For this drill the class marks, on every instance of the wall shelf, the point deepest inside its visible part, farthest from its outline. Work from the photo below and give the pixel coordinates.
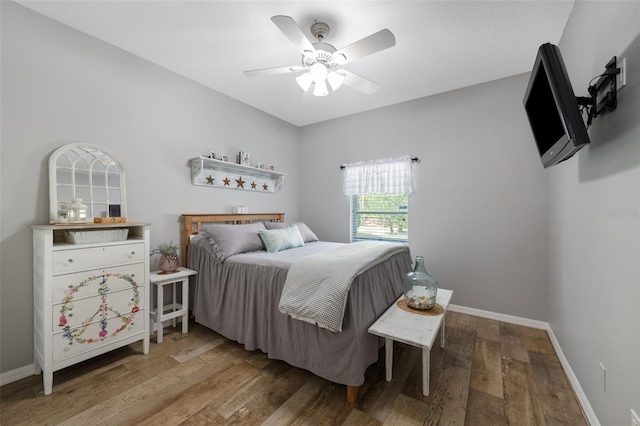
(222, 174)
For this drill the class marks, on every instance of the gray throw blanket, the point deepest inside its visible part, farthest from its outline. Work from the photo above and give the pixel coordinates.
(317, 286)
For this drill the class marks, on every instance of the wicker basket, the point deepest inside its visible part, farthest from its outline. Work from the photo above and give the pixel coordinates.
(96, 236)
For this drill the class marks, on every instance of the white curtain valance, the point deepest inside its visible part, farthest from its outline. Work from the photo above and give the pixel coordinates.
(384, 176)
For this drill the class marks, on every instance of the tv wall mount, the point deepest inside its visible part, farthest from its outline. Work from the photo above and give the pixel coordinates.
(603, 93)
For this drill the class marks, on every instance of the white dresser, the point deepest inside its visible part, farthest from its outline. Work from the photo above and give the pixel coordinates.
(89, 298)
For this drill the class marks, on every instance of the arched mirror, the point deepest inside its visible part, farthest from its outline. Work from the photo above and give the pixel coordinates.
(90, 173)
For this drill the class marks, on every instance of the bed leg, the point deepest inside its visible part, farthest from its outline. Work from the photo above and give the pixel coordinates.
(352, 394)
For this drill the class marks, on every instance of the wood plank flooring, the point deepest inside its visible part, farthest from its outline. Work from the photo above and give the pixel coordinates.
(489, 373)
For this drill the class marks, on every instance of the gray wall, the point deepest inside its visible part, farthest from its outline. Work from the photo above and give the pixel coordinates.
(594, 232)
(61, 86)
(479, 216)
(492, 224)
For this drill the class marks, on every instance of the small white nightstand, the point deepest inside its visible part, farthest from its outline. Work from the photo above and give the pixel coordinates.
(413, 329)
(160, 279)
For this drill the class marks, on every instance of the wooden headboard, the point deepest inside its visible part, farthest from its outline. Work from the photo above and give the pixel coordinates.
(191, 224)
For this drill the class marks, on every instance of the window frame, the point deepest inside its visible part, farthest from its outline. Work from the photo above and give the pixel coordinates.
(353, 230)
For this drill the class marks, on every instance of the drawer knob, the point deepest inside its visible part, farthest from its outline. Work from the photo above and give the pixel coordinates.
(68, 262)
(133, 253)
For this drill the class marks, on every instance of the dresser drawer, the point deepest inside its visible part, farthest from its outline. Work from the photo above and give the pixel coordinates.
(81, 285)
(72, 260)
(75, 313)
(90, 339)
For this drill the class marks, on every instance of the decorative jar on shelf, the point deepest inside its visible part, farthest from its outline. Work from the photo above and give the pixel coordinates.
(63, 213)
(420, 288)
(76, 211)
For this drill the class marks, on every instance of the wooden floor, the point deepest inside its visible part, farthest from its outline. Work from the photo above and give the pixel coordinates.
(490, 373)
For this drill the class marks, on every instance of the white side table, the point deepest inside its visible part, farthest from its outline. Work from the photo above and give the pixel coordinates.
(412, 329)
(160, 279)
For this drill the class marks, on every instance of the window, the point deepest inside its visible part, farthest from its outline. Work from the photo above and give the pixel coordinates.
(382, 217)
(379, 192)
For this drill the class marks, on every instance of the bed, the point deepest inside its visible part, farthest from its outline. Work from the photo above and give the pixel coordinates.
(238, 297)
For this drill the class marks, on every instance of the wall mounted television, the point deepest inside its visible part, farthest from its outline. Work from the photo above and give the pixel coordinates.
(553, 110)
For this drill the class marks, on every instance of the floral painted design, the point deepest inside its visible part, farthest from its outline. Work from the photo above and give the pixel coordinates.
(119, 323)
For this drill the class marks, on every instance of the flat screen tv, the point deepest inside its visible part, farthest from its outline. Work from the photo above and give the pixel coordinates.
(552, 108)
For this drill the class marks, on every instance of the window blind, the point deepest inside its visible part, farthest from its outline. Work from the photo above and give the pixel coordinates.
(383, 217)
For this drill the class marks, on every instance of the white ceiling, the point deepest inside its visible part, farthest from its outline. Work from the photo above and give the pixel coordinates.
(440, 45)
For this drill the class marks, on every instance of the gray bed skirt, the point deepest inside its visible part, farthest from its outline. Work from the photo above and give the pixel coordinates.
(240, 301)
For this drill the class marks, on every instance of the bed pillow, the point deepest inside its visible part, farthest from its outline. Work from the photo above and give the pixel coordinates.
(228, 240)
(276, 225)
(281, 239)
(307, 234)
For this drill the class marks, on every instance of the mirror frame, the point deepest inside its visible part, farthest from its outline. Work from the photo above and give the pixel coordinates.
(100, 162)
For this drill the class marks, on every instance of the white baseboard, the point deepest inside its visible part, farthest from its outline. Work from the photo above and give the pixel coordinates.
(542, 325)
(17, 374)
(577, 389)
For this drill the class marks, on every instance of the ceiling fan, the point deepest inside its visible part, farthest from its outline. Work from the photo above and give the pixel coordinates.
(321, 61)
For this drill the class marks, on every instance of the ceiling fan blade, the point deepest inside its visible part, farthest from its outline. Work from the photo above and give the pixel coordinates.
(274, 71)
(381, 40)
(359, 83)
(293, 32)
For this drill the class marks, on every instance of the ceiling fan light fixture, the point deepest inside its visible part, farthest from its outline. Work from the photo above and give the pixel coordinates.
(320, 59)
(318, 72)
(335, 79)
(338, 59)
(310, 55)
(320, 89)
(304, 81)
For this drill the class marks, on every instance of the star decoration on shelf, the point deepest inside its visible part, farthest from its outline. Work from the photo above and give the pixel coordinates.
(265, 187)
(253, 185)
(240, 183)
(226, 181)
(210, 180)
